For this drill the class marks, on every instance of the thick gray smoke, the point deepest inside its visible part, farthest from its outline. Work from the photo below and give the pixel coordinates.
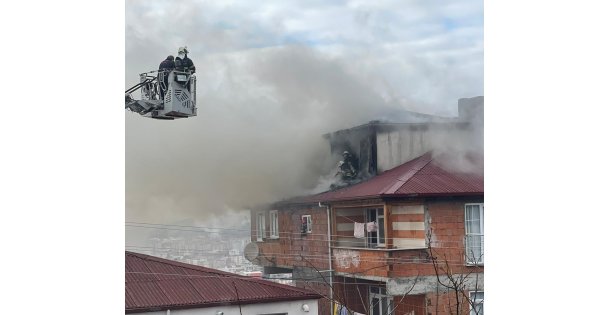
(258, 136)
(263, 107)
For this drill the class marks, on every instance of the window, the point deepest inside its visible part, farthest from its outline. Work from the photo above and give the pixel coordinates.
(379, 302)
(274, 224)
(261, 227)
(306, 224)
(375, 238)
(473, 218)
(477, 302)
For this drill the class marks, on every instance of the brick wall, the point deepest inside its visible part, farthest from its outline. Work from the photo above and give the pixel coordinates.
(410, 305)
(363, 261)
(446, 221)
(445, 218)
(445, 304)
(294, 248)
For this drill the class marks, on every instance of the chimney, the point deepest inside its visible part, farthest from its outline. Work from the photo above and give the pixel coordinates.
(471, 109)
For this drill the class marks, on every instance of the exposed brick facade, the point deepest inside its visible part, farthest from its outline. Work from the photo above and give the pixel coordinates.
(294, 248)
(410, 304)
(445, 304)
(444, 218)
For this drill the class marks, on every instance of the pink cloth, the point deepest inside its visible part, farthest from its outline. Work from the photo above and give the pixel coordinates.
(359, 230)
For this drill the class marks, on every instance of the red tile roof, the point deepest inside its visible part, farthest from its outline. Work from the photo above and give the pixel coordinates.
(153, 283)
(422, 176)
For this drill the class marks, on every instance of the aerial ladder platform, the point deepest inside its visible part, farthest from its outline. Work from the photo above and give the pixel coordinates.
(164, 95)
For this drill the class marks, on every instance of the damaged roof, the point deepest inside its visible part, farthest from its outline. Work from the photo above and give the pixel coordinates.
(423, 176)
(154, 284)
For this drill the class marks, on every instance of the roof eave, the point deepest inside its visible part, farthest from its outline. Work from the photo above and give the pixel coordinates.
(223, 303)
(381, 196)
(455, 194)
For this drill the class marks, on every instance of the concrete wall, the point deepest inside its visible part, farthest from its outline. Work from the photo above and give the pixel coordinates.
(426, 284)
(398, 145)
(471, 109)
(378, 146)
(288, 307)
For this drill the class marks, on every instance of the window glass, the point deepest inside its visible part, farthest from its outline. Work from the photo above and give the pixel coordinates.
(260, 226)
(380, 303)
(306, 224)
(375, 238)
(274, 224)
(474, 233)
(477, 300)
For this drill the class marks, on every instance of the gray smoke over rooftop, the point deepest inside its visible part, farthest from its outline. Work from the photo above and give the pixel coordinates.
(262, 107)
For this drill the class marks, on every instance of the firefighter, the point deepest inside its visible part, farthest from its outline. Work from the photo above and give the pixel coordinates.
(163, 74)
(182, 62)
(346, 168)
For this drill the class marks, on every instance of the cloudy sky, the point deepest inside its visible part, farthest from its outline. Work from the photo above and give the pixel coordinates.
(272, 78)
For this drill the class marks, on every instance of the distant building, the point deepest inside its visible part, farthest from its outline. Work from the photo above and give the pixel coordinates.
(159, 286)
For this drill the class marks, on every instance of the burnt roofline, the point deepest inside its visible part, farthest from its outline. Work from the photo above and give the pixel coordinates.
(385, 125)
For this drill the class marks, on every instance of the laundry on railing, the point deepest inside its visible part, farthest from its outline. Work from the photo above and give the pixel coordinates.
(340, 310)
(372, 226)
(359, 230)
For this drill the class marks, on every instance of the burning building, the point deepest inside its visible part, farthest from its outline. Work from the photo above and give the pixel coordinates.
(405, 237)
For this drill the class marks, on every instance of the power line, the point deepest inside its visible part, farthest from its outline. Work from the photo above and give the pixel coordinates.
(254, 233)
(323, 258)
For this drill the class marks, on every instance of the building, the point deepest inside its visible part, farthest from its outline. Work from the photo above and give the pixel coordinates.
(159, 286)
(379, 145)
(406, 241)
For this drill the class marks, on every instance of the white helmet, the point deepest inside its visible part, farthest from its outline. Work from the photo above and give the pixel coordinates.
(182, 50)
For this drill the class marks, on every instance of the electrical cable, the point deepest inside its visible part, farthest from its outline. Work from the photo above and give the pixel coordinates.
(254, 232)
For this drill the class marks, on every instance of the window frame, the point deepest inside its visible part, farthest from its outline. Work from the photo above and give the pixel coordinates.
(274, 224)
(480, 260)
(475, 302)
(380, 240)
(380, 294)
(260, 228)
(308, 223)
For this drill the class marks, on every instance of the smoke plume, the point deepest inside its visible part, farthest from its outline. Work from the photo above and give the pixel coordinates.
(263, 106)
